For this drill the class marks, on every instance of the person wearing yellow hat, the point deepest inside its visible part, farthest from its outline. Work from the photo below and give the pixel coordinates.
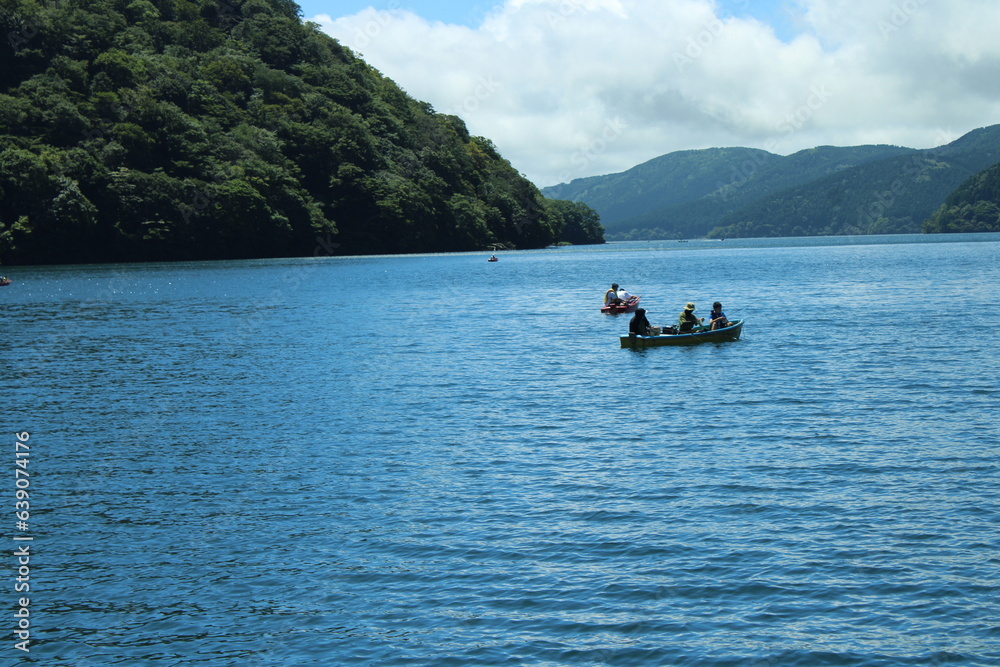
(686, 321)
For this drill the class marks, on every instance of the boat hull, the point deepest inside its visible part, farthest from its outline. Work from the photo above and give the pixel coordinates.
(732, 332)
(629, 307)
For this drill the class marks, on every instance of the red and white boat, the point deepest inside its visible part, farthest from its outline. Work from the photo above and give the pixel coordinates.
(627, 307)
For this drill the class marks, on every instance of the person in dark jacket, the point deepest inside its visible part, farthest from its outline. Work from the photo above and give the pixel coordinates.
(639, 325)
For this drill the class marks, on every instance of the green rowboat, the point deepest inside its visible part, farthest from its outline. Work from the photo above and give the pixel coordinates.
(732, 332)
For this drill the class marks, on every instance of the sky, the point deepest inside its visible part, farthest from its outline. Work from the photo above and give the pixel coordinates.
(573, 88)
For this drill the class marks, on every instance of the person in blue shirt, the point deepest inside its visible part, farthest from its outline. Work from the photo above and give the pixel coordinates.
(717, 318)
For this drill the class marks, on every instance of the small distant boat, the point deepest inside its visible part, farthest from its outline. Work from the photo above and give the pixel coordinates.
(4, 282)
(627, 307)
(493, 258)
(732, 332)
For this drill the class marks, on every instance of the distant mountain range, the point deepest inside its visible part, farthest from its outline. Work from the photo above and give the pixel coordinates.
(745, 192)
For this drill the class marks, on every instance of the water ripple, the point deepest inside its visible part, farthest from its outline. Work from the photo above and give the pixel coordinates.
(226, 482)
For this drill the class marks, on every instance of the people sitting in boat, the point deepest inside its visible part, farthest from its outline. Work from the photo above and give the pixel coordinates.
(493, 258)
(687, 322)
(611, 296)
(639, 325)
(717, 318)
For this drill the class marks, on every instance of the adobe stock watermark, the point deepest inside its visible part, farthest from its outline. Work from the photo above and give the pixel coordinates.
(22, 512)
(591, 149)
(103, 128)
(700, 43)
(567, 8)
(204, 197)
(257, 321)
(912, 172)
(367, 33)
(226, 14)
(30, 27)
(792, 122)
(529, 217)
(742, 172)
(901, 14)
(796, 120)
(485, 88)
(52, 347)
(23, 34)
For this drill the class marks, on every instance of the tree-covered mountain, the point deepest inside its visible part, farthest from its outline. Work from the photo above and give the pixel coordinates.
(196, 129)
(686, 193)
(973, 207)
(660, 184)
(821, 191)
(889, 196)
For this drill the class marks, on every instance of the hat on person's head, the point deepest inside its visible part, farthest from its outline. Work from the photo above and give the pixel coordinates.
(689, 306)
(640, 311)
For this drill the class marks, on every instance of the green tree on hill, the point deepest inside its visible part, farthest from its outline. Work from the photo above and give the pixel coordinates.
(197, 129)
(973, 207)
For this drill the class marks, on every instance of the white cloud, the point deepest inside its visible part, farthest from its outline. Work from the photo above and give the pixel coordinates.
(571, 88)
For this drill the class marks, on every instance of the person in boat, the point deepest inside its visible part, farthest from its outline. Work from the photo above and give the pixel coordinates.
(717, 319)
(687, 322)
(639, 325)
(623, 296)
(611, 296)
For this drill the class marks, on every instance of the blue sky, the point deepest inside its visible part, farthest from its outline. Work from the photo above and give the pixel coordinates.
(448, 11)
(575, 88)
(470, 13)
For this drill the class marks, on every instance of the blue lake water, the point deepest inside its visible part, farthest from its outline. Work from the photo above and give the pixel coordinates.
(435, 460)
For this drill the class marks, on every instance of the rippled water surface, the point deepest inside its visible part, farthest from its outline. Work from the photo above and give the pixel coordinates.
(435, 460)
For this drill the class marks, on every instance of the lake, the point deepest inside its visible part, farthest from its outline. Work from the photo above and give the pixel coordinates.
(436, 460)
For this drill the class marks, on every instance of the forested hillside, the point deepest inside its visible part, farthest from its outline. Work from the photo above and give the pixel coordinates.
(973, 207)
(890, 196)
(195, 129)
(687, 193)
(659, 184)
(821, 191)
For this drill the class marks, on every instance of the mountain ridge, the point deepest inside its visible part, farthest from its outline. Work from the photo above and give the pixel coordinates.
(818, 191)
